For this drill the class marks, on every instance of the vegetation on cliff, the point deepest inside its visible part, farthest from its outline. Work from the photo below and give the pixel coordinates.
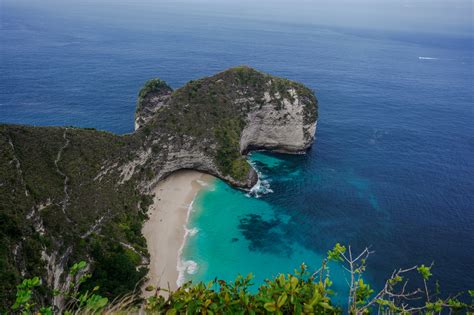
(151, 88)
(51, 203)
(228, 158)
(212, 112)
(69, 194)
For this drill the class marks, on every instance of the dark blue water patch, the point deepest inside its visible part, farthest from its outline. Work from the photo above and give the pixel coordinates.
(330, 205)
(265, 235)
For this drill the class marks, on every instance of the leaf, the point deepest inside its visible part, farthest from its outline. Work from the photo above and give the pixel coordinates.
(81, 265)
(77, 267)
(336, 252)
(294, 282)
(270, 306)
(35, 282)
(249, 277)
(395, 280)
(97, 302)
(282, 299)
(424, 271)
(171, 312)
(327, 282)
(281, 279)
(245, 299)
(308, 308)
(326, 306)
(46, 311)
(102, 302)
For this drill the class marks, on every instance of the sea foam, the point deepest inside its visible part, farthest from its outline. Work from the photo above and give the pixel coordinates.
(186, 266)
(191, 232)
(262, 187)
(202, 183)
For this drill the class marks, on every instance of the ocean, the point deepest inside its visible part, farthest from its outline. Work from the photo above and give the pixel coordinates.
(392, 166)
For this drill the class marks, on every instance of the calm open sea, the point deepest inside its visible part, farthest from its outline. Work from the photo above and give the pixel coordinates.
(392, 167)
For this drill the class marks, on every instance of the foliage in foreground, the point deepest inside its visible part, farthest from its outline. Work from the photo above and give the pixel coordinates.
(300, 293)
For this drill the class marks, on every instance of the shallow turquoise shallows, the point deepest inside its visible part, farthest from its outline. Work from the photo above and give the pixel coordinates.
(234, 232)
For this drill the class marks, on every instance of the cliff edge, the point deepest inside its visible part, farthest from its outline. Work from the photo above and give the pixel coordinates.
(212, 123)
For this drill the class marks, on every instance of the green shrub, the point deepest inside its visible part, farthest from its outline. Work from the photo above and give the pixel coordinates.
(302, 292)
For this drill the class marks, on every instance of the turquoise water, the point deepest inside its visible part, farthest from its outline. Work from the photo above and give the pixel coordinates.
(235, 232)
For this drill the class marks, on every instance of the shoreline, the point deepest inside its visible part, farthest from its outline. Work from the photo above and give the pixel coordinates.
(166, 229)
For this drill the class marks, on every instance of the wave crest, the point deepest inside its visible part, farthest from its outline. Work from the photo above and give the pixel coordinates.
(186, 267)
(262, 187)
(191, 232)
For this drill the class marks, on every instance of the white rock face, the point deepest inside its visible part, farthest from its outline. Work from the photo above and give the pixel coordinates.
(173, 158)
(282, 130)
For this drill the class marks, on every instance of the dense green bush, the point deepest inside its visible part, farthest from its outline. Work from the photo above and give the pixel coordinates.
(302, 292)
(115, 272)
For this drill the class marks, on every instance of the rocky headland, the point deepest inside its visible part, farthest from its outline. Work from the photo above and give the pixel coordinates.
(69, 194)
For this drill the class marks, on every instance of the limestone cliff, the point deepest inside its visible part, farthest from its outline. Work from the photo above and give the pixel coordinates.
(209, 124)
(68, 194)
(287, 130)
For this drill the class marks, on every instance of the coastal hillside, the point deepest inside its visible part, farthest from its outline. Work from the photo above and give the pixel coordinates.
(70, 194)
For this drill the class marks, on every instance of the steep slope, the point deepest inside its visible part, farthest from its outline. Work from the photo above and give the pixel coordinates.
(53, 208)
(68, 194)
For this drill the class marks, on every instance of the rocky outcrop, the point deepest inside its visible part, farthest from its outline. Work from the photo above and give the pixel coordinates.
(212, 123)
(284, 130)
(154, 95)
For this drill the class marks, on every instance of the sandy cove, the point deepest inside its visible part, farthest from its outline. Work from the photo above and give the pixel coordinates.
(165, 230)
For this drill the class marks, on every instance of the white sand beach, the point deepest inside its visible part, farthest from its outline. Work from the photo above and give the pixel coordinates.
(165, 230)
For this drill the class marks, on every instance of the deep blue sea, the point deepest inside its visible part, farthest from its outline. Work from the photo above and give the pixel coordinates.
(392, 166)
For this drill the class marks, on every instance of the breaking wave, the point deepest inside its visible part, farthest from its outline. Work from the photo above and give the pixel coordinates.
(202, 183)
(191, 232)
(185, 267)
(262, 187)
